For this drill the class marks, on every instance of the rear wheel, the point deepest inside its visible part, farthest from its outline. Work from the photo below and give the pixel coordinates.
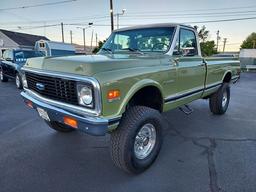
(60, 127)
(137, 141)
(18, 81)
(219, 101)
(3, 78)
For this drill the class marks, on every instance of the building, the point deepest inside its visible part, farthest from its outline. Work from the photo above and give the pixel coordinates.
(15, 40)
(80, 49)
(248, 58)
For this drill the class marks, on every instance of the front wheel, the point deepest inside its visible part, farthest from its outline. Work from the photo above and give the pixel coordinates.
(219, 101)
(137, 141)
(3, 78)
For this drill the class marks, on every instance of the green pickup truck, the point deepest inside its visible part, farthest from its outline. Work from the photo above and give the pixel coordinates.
(139, 73)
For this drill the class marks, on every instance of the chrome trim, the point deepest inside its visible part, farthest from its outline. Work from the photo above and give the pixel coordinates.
(183, 95)
(192, 92)
(89, 119)
(213, 85)
(78, 78)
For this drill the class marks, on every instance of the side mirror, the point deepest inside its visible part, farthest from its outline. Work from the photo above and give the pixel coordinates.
(9, 59)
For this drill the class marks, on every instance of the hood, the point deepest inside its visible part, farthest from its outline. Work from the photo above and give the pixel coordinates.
(91, 64)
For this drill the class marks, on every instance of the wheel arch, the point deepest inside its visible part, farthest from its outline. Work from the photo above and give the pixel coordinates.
(143, 87)
(227, 77)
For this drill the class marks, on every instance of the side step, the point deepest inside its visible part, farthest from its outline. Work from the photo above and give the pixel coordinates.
(186, 109)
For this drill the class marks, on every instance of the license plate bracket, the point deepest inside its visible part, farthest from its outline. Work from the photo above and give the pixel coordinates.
(43, 114)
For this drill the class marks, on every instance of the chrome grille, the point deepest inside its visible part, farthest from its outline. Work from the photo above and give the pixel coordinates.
(54, 88)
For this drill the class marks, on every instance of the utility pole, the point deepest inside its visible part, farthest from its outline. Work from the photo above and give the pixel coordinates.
(62, 32)
(92, 39)
(254, 44)
(96, 39)
(112, 15)
(224, 45)
(218, 38)
(84, 40)
(71, 37)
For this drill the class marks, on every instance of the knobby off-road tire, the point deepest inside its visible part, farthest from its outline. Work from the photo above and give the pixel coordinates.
(219, 101)
(60, 127)
(3, 78)
(131, 136)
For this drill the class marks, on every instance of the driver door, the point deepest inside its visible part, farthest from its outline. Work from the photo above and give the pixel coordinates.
(191, 69)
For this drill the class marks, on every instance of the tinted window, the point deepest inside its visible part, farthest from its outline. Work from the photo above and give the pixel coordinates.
(144, 40)
(186, 45)
(8, 54)
(28, 54)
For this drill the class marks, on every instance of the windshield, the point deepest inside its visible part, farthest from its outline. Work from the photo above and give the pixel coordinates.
(146, 40)
(21, 55)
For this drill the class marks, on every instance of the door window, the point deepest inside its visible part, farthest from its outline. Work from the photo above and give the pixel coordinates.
(186, 44)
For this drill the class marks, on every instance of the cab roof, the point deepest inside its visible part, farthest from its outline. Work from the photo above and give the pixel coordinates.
(153, 26)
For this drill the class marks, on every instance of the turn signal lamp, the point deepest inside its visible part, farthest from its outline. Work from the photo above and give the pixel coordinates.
(70, 121)
(29, 104)
(113, 94)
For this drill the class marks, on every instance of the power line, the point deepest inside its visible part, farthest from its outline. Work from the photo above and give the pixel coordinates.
(102, 25)
(172, 17)
(195, 10)
(191, 14)
(222, 20)
(37, 5)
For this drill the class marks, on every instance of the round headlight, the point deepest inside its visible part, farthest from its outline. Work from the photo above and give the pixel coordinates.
(86, 95)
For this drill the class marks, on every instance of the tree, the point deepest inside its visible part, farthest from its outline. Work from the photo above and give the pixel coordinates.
(208, 48)
(100, 44)
(249, 42)
(203, 34)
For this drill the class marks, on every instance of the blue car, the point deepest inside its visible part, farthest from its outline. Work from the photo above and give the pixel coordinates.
(12, 62)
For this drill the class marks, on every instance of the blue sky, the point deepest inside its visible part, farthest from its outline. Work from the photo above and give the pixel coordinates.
(80, 12)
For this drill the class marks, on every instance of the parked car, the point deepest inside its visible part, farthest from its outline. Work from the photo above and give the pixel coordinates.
(13, 61)
(139, 73)
(53, 48)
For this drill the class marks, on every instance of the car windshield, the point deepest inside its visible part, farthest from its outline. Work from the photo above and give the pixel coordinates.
(147, 40)
(28, 54)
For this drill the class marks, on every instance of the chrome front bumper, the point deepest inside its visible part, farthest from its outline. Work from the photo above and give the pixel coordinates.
(89, 124)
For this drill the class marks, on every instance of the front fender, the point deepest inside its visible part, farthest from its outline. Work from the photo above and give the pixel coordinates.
(135, 88)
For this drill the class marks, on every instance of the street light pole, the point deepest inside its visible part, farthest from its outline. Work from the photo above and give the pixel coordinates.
(218, 38)
(84, 28)
(111, 15)
(224, 46)
(84, 39)
(62, 32)
(118, 16)
(71, 37)
(92, 39)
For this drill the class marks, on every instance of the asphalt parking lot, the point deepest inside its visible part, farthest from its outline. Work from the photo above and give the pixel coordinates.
(201, 152)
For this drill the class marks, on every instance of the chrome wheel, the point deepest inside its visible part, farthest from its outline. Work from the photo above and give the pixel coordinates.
(224, 99)
(17, 81)
(145, 141)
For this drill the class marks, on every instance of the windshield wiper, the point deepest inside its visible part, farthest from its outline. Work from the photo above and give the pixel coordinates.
(107, 49)
(134, 50)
